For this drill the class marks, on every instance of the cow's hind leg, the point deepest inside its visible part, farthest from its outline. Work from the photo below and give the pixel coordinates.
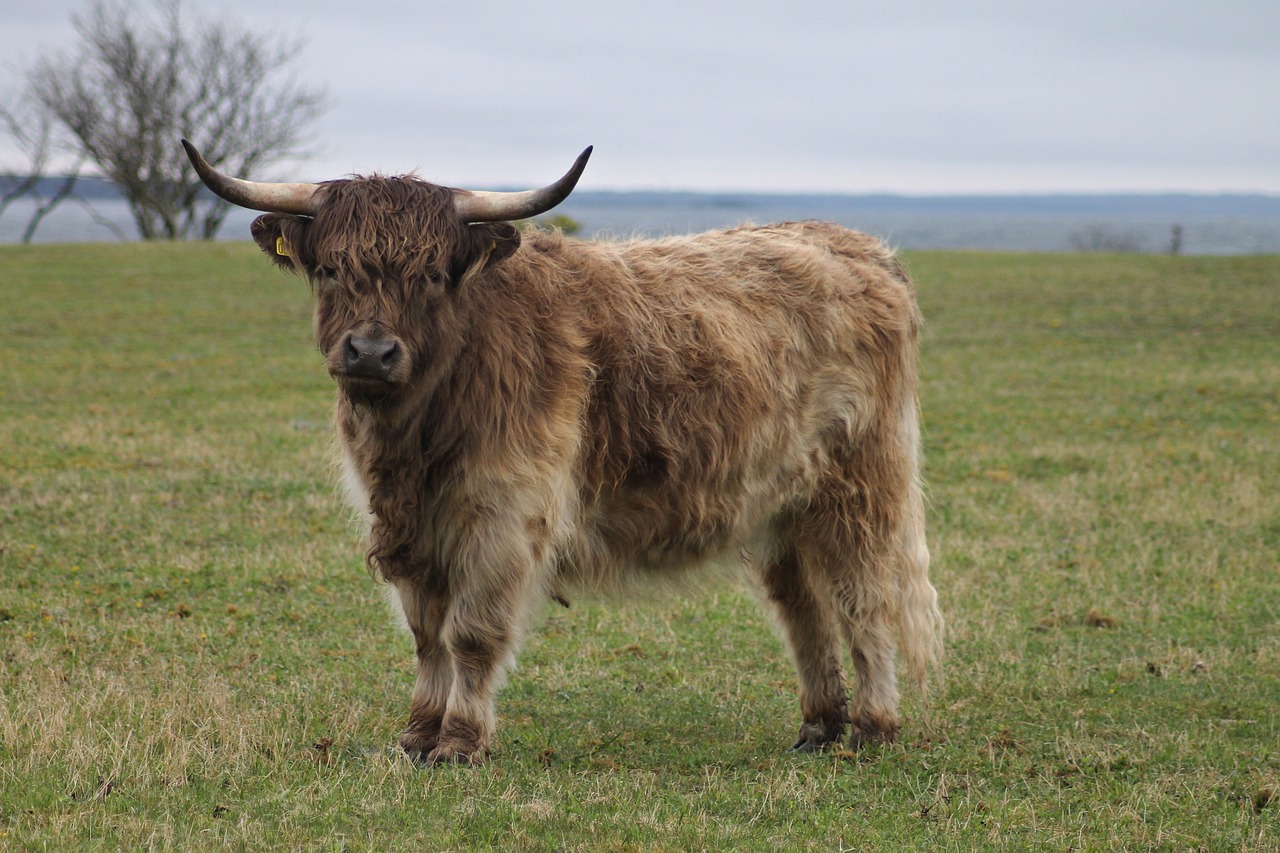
(874, 712)
(885, 599)
(424, 611)
(837, 543)
(802, 601)
(874, 533)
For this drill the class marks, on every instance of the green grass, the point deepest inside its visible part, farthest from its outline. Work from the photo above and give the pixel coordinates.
(192, 654)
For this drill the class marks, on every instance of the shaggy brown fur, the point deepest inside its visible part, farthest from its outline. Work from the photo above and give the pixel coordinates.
(580, 416)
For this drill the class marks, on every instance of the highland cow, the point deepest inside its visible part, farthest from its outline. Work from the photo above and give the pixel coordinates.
(525, 416)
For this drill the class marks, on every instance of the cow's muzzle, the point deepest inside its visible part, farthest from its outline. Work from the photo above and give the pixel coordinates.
(369, 357)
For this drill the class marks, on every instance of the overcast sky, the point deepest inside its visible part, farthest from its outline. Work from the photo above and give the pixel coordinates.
(817, 95)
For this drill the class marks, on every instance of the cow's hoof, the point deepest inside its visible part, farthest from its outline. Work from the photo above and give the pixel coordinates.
(866, 735)
(808, 746)
(470, 755)
(817, 736)
(419, 745)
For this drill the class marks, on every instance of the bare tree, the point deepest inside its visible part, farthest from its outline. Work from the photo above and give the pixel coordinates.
(32, 133)
(135, 85)
(20, 182)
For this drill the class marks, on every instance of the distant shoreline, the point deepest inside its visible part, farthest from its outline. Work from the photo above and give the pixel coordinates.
(1221, 224)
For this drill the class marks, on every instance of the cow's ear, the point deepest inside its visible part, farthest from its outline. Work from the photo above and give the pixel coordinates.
(280, 237)
(502, 237)
(489, 243)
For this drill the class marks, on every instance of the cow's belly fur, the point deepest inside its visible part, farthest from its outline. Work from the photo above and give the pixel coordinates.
(671, 530)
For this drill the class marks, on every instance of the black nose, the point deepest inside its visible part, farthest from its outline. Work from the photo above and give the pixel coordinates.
(370, 358)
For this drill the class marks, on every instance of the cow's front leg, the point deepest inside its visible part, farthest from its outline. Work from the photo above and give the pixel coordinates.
(424, 610)
(488, 605)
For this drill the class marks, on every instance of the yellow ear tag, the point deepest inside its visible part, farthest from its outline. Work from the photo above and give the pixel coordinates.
(281, 248)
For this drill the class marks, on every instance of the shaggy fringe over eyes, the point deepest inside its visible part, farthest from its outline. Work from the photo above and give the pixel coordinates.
(376, 228)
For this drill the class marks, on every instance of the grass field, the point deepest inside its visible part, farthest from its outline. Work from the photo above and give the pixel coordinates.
(192, 654)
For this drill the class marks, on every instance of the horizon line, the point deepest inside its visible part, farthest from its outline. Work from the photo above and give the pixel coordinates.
(1005, 193)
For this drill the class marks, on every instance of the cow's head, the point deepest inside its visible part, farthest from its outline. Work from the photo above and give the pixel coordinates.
(383, 255)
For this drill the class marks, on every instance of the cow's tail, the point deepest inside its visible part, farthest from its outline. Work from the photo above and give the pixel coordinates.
(920, 622)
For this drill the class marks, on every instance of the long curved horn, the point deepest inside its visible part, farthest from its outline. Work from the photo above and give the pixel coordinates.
(479, 206)
(274, 198)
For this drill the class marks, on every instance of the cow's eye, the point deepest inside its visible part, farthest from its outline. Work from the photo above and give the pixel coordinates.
(326, 273)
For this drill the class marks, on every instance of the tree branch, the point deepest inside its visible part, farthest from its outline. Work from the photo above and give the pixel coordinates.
(136, 84)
